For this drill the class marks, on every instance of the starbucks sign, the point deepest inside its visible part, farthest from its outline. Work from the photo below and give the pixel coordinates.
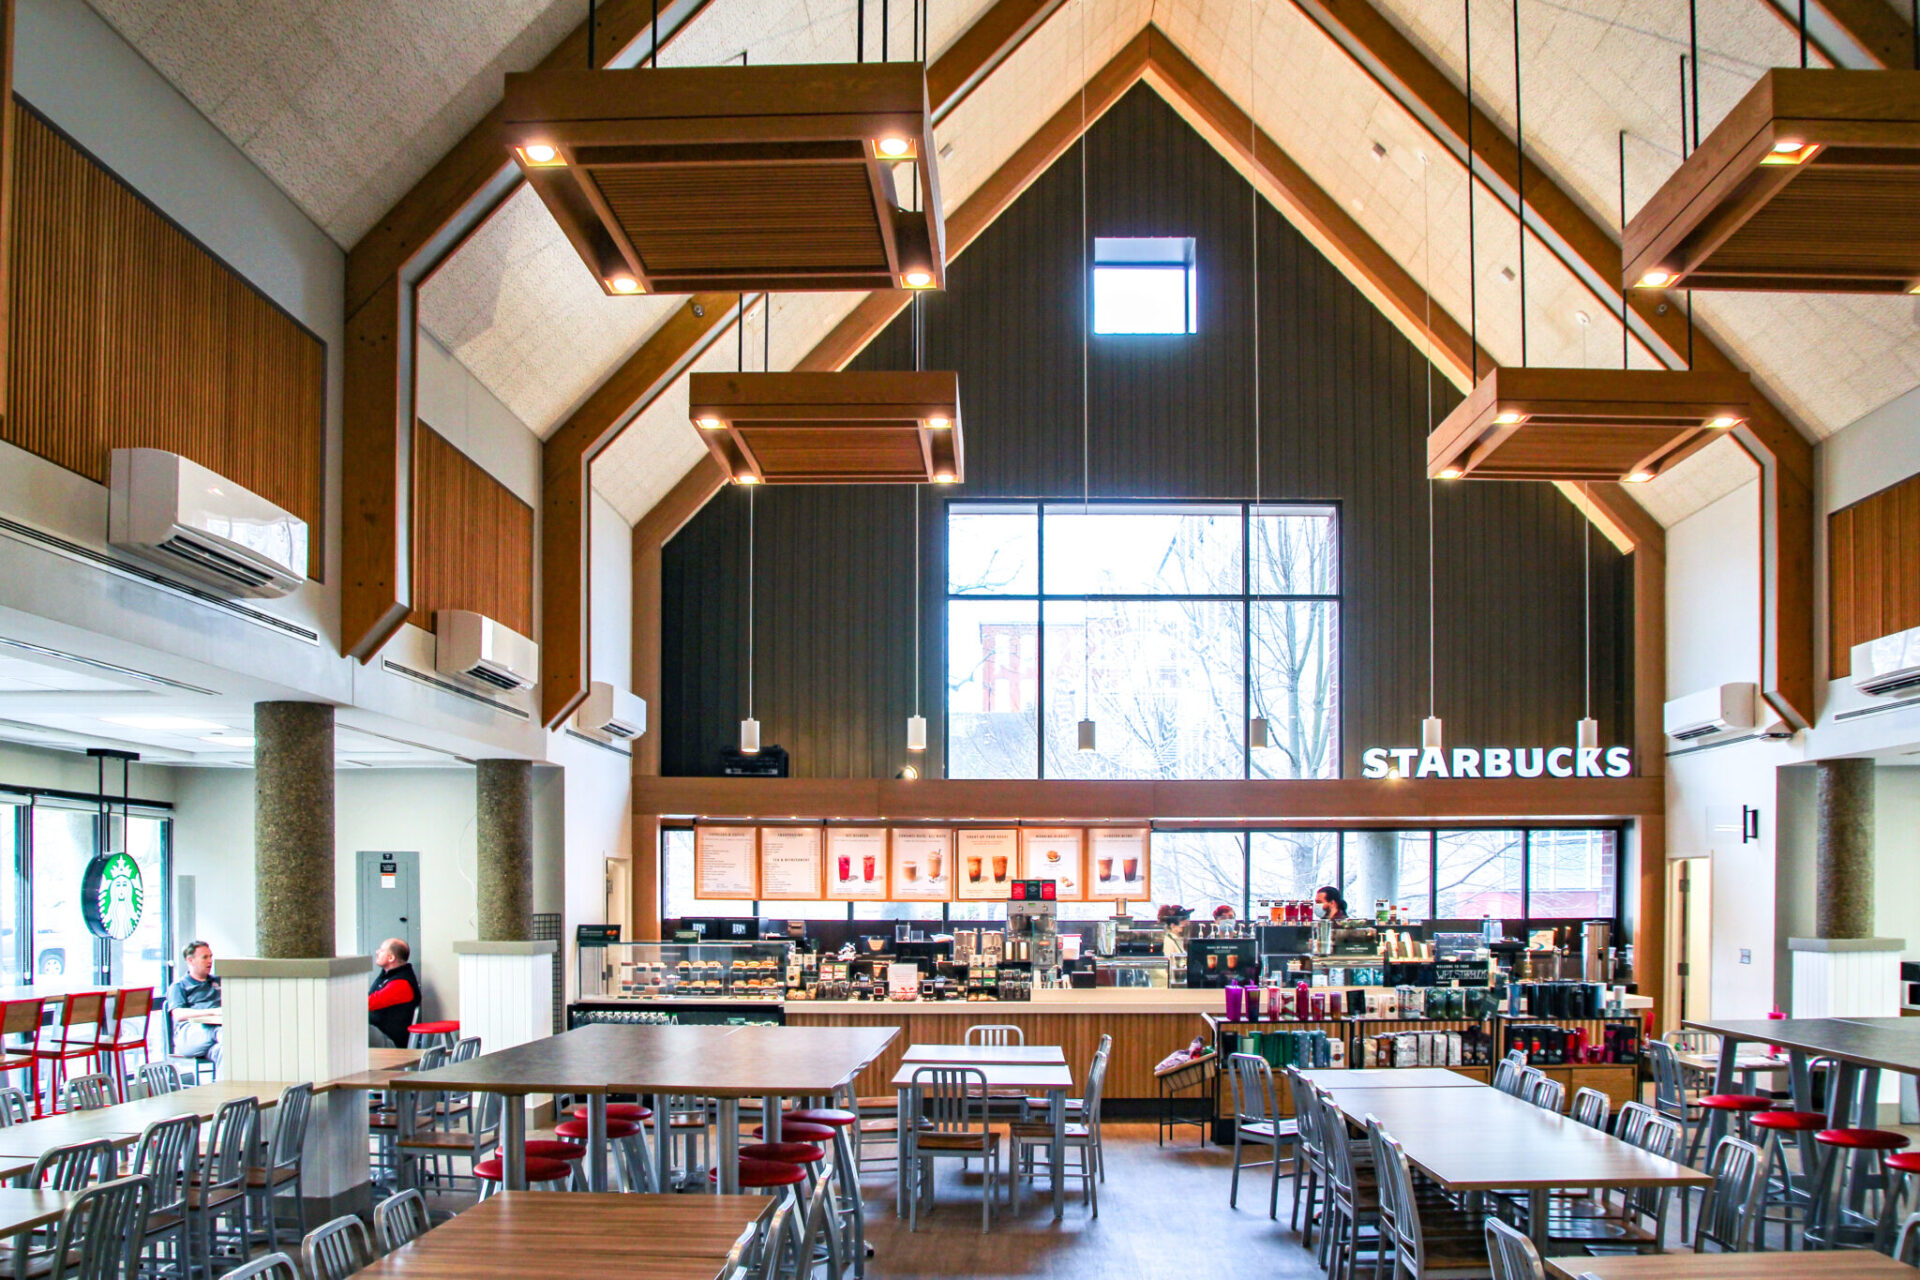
(112, 896)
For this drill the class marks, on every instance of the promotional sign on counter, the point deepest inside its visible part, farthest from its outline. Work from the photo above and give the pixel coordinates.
(987, 861)
(1053, 853)
(726, 862)
(922, 864)
(1118, 864)
(790, 863)
(857, 864)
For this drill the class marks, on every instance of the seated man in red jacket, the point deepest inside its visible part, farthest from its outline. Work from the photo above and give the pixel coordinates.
(393, 1003)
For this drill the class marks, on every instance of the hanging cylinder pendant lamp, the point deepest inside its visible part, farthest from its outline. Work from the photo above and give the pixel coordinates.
(749, 736)
(1086, 736)
(1430, 734)
(1589, 733)
(1257, 733)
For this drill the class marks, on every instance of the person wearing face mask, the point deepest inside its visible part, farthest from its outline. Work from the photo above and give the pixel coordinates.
(1328, 904)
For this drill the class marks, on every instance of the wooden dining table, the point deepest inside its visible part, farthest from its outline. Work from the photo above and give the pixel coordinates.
(1839, 1264)
(22, 1211)
(1480, 1139)
(1860, 1049)
(1044, 1054)
(722, 1063)
(1389, 1078)
(581, 1235)
(1050, 1079)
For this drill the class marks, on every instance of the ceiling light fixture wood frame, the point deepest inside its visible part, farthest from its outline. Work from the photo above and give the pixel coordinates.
(1811, 184)
(776, 178)
(1626, 425)
(858, 427)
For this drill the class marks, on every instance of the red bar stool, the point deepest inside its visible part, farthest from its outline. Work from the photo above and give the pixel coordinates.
(424, 1035)
(542, 1173)
(1737, 1107)
(765, 1175)
(844, 1126)
(1774, 1128)
(797, 1131)
(622, 1138)
(1838, 1175)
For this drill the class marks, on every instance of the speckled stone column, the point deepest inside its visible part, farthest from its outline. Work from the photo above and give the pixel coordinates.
(293, 829)
(505, 860)
(1373, 859)
(1843, 807)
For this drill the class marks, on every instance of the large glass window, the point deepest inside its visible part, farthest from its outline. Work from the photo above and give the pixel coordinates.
(1169, 625)
(1144, 285)
(62, 847)
(12, 816)
(1572, 873)
(1292, 864)
(1478, 873)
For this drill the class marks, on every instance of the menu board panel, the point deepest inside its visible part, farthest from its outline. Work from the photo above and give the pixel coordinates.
(790, 864)
(986, 861)
(1118, 864)
(922, 864)
(726, 862)
(857, 864)
(1053, 853)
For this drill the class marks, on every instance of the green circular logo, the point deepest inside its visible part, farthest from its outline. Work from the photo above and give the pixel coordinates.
(112, 896)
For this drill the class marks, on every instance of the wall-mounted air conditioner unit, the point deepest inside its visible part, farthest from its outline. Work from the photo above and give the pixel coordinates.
(475, 646)
(611, 713)
(1716, 710)
(192, 522)
(1888, 665)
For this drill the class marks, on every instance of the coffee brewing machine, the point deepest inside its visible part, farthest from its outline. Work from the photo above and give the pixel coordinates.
(1033, 929)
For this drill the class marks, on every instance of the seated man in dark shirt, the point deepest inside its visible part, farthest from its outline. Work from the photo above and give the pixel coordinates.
(393, 1002)
(188, 999)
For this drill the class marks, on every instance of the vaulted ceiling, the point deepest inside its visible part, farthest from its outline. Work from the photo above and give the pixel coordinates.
(347, 106)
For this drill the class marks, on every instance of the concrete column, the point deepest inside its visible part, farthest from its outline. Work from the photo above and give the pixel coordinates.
(1373, 868)
(293, 852)
(505, 858)
(1843, 807)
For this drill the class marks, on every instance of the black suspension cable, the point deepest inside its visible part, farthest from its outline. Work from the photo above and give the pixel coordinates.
(1684, 152)
(653, 49)
(740, 334)
(1473, 272)
(1803, 35)
(1520, 179)
(1623, 240)
(593, 22)
(860, 31)
(1693, 47)
(885, 22)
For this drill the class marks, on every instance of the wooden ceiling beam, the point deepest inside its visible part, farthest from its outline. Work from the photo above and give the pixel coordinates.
(1874, 25)
(1593, 255)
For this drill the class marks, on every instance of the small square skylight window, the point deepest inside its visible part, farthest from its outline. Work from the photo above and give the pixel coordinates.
(1144, 285)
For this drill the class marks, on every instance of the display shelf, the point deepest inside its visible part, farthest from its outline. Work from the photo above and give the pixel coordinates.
(668, 973)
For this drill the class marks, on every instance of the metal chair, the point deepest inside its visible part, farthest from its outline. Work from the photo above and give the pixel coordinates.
(1506, 1075)
(400, 1218)
(474, 1143)
(1907, 1247)
(157, 1078)
(1591, 1107)
(1547, 1093)
(273, 1266)
(991, 1033)
(1353, 1203)
(1417, 1252)
(87, 1093)
(99, 1235)
(816, 1238)
(280, 1171)
(1084, 1137)
(1256, 1122)
(1730, 1213)
(220, 1188)
(165, 1157)
(766, 1247)
(13, 1107)
(337, 1249)
(1309, 1157)
(75, 1167)
(1641, 1216)
(948, 1119)
(1670, 1096)
(1512, 1253)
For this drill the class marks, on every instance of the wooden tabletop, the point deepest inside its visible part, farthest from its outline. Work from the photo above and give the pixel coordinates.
(715, 1062)
(977, 1053)
(1480, 1139)
(27, 1141)
(1839, 1264)
(393, 1058)
(23, 1210)
(576, 1235)
(1388, 1078)
(1892, 1044)
(1744, 1060)
(1028, 1077)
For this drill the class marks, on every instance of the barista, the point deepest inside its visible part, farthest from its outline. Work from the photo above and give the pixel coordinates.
(1174, 918)
(1328, 904)
(1222, 914)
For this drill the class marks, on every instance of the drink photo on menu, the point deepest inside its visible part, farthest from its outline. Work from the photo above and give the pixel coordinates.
(987, 861)
(1118, 865)
(857, 864)
(922, 862)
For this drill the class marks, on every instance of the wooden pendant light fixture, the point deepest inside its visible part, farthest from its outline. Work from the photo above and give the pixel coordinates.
(736, 178)
(852, 427)
(1810, 184)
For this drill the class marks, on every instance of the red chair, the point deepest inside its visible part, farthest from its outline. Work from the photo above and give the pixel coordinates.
(22, 1018)
(82, 1009)
(118, 1038)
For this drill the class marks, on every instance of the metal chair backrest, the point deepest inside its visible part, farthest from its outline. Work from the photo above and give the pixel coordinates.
(1659, 1136)
(821, 1227)
(1251, 1080)
(771, 1245)
(290, 1126)
(1632, 1118)
(1306, 1142)
(1338, 1146)
(159, 1077)
(1506, 1075)
(1547, 1093)
(13, 1106)
(273, 1266)
(87, 1093)
(1097, 1088)
(400, 1218)
(1518, 1057)
(1687, 1041)
(1590, 1107)
(431, 1057)
(165, 1157)
(73, 1168)
(995, 1034)
(466, 1050)
(1906, 1247)
(101, 1232)
(1511, 1253)
(1389, 1191)
(1390, 1162)
(1729, 1213)
(1669, 1090)
(952, 1100)
(337, 1249)
(230, 1142)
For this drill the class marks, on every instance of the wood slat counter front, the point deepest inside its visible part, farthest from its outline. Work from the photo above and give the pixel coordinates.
(1146, 1026)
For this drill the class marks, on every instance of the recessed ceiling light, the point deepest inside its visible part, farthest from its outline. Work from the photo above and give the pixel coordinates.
(1638, 477)
(1449, 473)
(1509, 417)
(917, 279)
(746, 477)
(624, 284)
(1656, 279)
(541, 153)
(892, 146)
(171, 724)
(944, 477)
(939, 424)
(709, 424)
(1723, 422)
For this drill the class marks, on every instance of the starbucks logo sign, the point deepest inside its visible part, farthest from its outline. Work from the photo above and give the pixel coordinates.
(112, 896)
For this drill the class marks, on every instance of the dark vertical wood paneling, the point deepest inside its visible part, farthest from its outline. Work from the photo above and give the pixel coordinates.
(472, 539)
(1873, 571)
(126, 333)
(1344, 419)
